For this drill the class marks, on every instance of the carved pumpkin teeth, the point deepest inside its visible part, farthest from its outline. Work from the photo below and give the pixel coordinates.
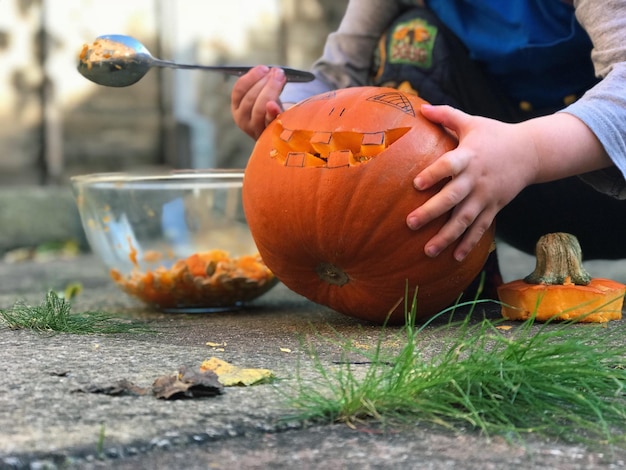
(331, 149)
(339, 158)
(323, 144)
(322, 138)
(373, 144)
(303, 159)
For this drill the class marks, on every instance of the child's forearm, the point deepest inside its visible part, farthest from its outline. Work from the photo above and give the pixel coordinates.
(564, 146)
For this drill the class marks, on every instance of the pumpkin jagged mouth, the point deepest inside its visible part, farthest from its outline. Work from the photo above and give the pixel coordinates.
(301, 148)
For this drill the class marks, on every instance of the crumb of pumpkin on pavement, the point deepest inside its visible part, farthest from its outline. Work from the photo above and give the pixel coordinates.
(219, 347)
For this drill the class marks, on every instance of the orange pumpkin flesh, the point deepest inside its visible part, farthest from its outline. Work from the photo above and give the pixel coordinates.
(560, 288)
(326, 193)
(599, 301)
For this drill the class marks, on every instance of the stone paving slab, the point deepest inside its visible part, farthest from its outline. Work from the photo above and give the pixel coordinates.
(45, 423)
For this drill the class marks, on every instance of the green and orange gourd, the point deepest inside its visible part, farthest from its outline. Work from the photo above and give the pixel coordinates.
(560, 288)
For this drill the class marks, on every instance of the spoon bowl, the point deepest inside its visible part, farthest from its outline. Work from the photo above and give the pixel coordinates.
(116, 60)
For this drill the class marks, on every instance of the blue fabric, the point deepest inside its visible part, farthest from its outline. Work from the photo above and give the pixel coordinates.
(535, 49)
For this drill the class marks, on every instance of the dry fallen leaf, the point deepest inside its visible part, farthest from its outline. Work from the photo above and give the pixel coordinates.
(207, 381)
(230, 375)
(187, 384)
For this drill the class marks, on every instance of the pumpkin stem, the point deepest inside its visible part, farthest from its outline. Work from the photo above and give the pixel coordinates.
(559, 260)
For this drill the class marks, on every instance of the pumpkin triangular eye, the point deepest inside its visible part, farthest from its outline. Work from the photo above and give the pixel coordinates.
(314, 148)
(396, 99)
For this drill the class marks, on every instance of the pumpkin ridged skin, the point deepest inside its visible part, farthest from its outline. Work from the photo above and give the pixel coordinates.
(599, 301)
(338, 236)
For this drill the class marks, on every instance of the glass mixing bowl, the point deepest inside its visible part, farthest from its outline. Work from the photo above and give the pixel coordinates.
(177, 241)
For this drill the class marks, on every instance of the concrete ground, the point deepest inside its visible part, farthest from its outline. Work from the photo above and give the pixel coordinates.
(47, 420)
(46, 423)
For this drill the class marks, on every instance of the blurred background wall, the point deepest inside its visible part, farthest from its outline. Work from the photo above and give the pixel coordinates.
(55, 124)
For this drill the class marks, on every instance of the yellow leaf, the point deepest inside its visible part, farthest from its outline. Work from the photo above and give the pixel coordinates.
(230, 375)
(72, 290)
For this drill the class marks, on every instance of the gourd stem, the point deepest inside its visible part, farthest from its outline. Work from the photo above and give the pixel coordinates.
(559, 261)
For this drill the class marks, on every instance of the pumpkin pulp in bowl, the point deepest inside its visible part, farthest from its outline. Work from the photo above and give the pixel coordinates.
(177, 241)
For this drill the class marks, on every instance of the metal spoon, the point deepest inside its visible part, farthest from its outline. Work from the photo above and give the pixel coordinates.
(116, 60)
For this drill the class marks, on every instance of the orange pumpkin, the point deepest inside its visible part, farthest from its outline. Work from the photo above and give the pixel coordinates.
(560, 288)
(599, 301)
(326, 193)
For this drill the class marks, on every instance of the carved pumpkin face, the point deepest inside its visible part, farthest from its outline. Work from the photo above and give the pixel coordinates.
(326, 194)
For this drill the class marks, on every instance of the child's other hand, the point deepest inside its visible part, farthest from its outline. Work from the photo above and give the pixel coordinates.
(255, 99)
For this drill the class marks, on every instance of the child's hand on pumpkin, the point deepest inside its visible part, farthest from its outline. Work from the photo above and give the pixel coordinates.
(255, 99)
(493, 162)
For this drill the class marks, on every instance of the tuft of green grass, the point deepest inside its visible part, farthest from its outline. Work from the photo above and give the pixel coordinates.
(55, 314)
(553, 380)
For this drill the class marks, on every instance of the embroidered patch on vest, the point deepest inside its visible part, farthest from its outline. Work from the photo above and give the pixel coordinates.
(412, 43)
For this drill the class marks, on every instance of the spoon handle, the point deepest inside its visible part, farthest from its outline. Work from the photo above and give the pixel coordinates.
(292, 75)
